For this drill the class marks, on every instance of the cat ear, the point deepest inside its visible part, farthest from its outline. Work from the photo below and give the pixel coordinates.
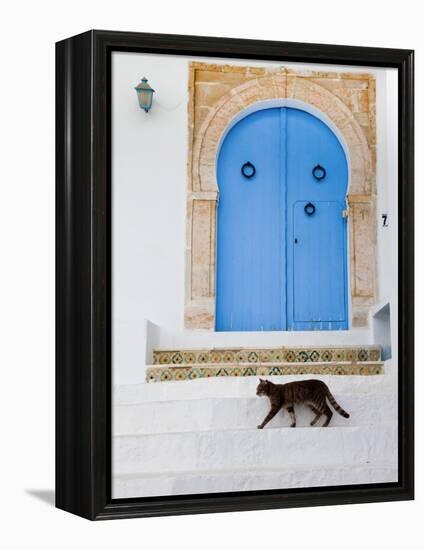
(260, 380)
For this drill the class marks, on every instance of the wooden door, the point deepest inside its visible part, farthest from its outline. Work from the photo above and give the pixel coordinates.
(281, 266)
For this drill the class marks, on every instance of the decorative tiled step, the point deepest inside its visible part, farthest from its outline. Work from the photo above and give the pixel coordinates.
(186, 415)
(254, 479)
(266, 355)
(242, 449)
(167, 373)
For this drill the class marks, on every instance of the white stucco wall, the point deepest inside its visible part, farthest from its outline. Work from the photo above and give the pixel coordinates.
(387, 180)
(149, 179)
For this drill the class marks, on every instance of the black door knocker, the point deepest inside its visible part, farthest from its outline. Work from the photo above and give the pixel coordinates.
(319, 172)
(309, 208)
(248, 170)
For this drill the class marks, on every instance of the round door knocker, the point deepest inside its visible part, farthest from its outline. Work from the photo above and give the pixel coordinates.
(309, 209)
(248, 170)
(319, 172)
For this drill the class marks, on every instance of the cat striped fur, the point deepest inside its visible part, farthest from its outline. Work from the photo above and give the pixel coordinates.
(313, 393)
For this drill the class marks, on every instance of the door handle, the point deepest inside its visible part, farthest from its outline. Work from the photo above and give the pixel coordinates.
(248, 170)
(319, 172)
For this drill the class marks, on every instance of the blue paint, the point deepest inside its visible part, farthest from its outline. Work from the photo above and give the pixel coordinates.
(265, 279)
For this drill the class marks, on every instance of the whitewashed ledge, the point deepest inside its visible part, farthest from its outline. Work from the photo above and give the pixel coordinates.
(219, 413)
(246, 386)
(253, 448)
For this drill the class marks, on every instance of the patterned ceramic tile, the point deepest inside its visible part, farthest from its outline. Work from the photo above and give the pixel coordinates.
(193, 374)
(224, 372)
(189, 358)
(181, 374)
(229, 357)
(207, 373)
(164, 358)
(177, 358)
(216, 356)
(327, 355)
(363, 355)
(290, 356)
(375, 354)
(175, 373)
(277, 355)
(351, 355)
(339, 355)
(167, 374)
(203, 357)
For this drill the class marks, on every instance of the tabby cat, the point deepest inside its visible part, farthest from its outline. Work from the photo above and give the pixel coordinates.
(309, 392)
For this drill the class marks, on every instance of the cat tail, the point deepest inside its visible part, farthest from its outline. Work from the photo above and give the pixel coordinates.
(336, 406)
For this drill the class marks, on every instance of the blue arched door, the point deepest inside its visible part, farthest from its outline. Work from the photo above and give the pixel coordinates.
(281, 243)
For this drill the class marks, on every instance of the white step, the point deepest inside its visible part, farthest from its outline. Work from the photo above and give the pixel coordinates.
(198, 339)
(234, 413)
(246, 387)
(253, 448)
(181, 483)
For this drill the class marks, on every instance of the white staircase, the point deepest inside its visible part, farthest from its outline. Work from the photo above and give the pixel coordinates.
(243, 413)
(200, 436)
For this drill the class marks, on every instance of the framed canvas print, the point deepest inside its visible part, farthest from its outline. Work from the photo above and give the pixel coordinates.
(234, 275)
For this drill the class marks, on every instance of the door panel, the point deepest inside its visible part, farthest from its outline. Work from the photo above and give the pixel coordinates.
(250, 282)
(319, 272)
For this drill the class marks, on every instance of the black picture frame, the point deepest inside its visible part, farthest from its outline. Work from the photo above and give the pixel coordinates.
(83, 274)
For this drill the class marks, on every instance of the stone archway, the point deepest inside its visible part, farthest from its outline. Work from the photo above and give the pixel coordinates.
(206, 132)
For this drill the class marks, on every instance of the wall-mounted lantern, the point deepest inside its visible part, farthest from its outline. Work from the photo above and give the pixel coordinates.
(144, 94)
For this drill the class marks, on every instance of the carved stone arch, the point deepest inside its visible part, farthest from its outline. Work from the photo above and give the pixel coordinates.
(203, 186)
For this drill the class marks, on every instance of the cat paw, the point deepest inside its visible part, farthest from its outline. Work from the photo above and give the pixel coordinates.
(260, 427)
(292, 425)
